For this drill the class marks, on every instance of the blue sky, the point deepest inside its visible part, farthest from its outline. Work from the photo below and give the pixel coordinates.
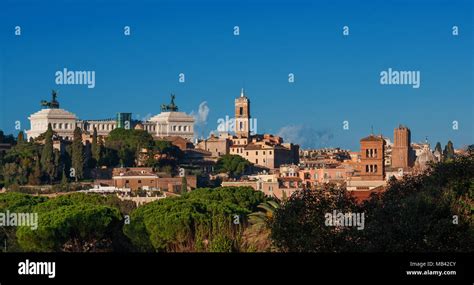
(336, 77)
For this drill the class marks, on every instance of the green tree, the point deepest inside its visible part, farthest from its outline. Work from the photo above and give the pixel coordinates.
(127, 144)
(438, 148)
(299, 225)
(47, 155)
(95, 147)
(184, 185)
(425, 213)
(200, 220)
(233, 165)
(448, 152)
(264, 217)
(74, 222)
(35, 176)
(21, 137)
(77, 155)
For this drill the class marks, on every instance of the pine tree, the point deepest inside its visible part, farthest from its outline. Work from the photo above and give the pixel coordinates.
(47, 155)
(77, 155)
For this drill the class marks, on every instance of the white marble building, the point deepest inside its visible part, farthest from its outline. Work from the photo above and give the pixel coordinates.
(169, 122)
(172, 124)
(62, 122)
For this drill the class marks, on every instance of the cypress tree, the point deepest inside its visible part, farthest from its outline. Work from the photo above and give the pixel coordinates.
(64, 181)
(21, 137)
(184, 185)
(438, 148)
(448, 152)
(36, 179)
(78, 154)
(47, 155)
(95, 147)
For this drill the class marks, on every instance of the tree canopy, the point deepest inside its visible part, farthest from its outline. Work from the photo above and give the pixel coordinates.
(234, 165)
(201, 220)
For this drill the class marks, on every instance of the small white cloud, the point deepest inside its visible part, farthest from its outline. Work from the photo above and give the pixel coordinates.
(200, 117)
(306, 136)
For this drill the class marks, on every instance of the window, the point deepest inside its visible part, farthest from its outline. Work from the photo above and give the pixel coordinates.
(256, 153)
(241, 126)
(270, 152)
(375, 168)
(263, 152)
(366, 168)
(54, 126)
(60, 125)
(139, 181)
(256, 160)
(241, 111)
(247, 153)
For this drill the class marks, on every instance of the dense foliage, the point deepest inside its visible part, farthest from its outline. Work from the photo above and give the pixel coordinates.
(234, 165)
(37, 162)
(425, 213)
(430, 212)
(202, 220)
(75, 222)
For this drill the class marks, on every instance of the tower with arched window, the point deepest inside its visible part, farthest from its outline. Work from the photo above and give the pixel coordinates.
(242, 115)
(372, 158)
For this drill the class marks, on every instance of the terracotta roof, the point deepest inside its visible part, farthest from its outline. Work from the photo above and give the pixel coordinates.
(363, 195)
(372, 138)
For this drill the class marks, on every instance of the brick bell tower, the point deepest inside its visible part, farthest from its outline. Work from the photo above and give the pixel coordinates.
(372, 158)
(401, 150)
(242, 115)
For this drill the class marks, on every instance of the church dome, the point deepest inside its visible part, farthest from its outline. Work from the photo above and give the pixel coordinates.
(425, 158)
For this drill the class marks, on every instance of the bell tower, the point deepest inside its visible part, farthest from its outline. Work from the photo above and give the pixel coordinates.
(242, 115)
